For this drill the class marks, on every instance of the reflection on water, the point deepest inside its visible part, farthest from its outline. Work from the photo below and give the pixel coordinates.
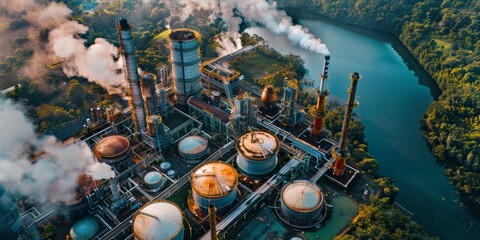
(391, 104)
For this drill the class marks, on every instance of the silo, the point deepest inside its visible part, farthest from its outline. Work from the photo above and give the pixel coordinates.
(302, 203)
(214, 183)
(192, 148)
(257, 152)
(184, 55)
(114, 150)
(160, 220)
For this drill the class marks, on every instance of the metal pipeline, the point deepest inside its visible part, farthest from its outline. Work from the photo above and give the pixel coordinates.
(212, 214)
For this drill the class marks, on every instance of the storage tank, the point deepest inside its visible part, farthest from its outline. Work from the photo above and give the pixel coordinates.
(71, 200)
(165, 166)
(257, 152)
(214, 183)
(192, 148)
(84, 229)
(114, 150)
(160, 220)
(302, 203)
(184, 55)
(153, 181)
(269, 97)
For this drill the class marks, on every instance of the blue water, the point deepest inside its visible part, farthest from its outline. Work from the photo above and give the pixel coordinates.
(392, 99)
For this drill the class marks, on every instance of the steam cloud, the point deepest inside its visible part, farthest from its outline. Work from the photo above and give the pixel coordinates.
(253, 11)
(19, 176)
(96, 63)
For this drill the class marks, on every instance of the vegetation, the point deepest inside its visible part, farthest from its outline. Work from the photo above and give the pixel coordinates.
(377, 218)
(444, 36)
(265, 66)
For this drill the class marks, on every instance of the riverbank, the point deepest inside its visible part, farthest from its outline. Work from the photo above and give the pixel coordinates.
(391, 103)
(447, 52)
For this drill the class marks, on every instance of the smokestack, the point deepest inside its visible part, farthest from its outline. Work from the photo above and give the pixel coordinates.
(115, 190)
(340, 153)
(212, 214)
(128, 51)
(320, 110)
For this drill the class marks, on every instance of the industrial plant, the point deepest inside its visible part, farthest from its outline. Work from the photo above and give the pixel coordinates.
(197, 154)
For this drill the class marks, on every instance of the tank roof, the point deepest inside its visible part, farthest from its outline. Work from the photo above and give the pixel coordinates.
(112, 146)
(152, 177)
(193, 144)
(157, 221)
(84, 229)
(214, 179)
(257, 145)
(302, 196)
(183, 34)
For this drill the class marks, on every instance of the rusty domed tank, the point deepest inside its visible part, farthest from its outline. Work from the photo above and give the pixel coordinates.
(214, 183)
(113, 150)
(269, 97)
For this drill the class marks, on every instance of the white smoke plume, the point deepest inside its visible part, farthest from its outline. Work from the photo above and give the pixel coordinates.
(254, 12)
(96, 63)
(228, 43)
(22, 176)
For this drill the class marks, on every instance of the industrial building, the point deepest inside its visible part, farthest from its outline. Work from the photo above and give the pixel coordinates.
(200, 164)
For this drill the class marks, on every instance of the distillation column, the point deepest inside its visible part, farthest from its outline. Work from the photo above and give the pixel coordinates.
(320, 110)
(341, 153)
(128, 51)
(184, 55)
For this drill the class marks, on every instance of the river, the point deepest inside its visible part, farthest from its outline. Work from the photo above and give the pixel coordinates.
(393, 94)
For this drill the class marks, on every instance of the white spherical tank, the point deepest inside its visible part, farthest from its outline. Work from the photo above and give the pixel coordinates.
(257, 152)
(161, 220)
(302, 203)
(192, 148)
(214, 183)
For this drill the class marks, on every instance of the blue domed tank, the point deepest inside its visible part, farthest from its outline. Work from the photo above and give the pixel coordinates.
(84, 229)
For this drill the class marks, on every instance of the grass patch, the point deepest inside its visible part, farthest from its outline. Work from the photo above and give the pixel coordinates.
(257, 65)
(442, 43)
(163, 35)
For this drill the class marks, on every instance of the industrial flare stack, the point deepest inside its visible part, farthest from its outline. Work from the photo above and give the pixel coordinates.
(128, 51)
(184, 55)
(320, 110)
(341, 153)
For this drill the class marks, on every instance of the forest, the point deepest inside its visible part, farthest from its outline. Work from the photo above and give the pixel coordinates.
(444, 36)
(65, 100)
(377, 218)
